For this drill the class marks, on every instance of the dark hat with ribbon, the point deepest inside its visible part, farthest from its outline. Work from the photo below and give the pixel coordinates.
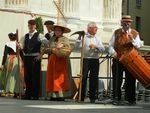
(48, 22)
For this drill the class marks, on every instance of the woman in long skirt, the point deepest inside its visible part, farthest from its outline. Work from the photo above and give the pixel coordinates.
(11, 77)
(58, 78)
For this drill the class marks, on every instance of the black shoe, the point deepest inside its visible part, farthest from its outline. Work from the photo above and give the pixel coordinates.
(92, 101)
(53, 99)
(26, 98)
(130, 103)
(82, 100)
(35, 98)
(118, 102)
(15, 95)
(115, 102)
(60, 99)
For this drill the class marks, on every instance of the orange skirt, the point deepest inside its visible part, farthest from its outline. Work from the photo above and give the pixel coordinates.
(57, 74)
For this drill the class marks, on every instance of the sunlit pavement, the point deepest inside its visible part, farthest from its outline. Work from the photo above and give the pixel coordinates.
(10, 105)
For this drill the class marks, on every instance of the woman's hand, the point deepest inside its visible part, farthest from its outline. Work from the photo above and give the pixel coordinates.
(114, 55)
(54, 50)
(1, 67)
(92, 46)
(59, 45)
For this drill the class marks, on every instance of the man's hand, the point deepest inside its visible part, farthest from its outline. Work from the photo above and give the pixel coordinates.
(92, 46)
(46, 50)
(114, 55)
(130, 36)
(39, 57)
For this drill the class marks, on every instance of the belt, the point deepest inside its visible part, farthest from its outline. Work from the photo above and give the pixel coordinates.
(32, 54)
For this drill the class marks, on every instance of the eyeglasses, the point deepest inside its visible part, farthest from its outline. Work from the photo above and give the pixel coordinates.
(93, 27)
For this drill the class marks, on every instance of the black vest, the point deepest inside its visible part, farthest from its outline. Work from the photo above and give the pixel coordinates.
(47, 36)
(32, 45)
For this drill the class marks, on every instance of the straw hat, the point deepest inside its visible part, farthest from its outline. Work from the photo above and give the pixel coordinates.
(65, 29)
(126, 18)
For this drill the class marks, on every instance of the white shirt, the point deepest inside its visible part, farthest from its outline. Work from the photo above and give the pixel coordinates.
(51, 33)
(88, 52)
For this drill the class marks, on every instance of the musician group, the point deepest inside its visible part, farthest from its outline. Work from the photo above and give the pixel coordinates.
(21, 65)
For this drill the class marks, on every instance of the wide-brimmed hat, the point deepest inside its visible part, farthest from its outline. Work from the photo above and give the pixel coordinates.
(48, 22)
(126, 18)
(65, 29)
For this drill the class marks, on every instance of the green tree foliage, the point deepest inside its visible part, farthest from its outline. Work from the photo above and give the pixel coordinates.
(39, 24)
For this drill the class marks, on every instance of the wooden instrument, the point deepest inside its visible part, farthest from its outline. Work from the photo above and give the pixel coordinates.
(147, 58)
(139, 68)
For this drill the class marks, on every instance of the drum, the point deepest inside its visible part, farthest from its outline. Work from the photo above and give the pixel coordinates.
(139, 68)
(147, 58)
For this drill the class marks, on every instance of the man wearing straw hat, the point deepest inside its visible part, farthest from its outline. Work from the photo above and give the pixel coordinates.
(122, 40)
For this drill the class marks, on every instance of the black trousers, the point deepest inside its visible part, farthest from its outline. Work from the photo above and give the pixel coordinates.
(91, 70)
(117, 71)
(32, 72)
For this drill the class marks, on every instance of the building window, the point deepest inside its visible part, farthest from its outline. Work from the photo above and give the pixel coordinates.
(15, 2)
(138, 3)
(138, 24)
